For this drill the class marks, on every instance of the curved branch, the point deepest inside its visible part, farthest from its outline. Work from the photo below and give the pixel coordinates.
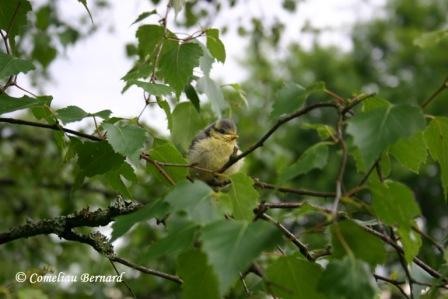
(47, 126)
(278, 124)
(122, 261)
(263, 185)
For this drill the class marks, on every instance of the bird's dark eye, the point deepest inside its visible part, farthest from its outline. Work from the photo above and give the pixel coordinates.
(219, 130)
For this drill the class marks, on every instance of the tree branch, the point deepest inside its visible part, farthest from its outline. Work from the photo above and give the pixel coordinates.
(233, 159)
(268, 186)
(302, 247)
(395, 283)
(428, 269)
(100, 243)
(171, 277)
(62, 224)
(48, 126)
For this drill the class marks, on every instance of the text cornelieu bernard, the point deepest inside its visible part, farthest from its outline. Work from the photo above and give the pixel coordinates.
(62, 277)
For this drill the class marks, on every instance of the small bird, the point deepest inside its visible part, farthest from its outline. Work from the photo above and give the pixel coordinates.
(211, 149)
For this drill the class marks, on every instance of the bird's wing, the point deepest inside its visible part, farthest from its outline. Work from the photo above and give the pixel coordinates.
(201, 135)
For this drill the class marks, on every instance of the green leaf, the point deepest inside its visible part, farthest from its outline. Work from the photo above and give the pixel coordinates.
(215, 45)
(43, 17)
(149, 38)
(97, 158)
(347, 278)
(374, 130)
(324, 131)
(140, 70)
(244, 198)
(174, 242)
(10, 104)
(13, 18)
(84, 3)
(122, 224)
(315, 157)
(10, 65)
(237, 97)
(410, 152)
(30, 293)
(43, 50)
(206, 60)
(176, 65)
(430, 39)
(186, 124)
(152, 88)
(357, 239)
(144, 15)
(165, 151)
(231, 246)
(125, 139)
(177, 5)
(70, 114)
(214, 95)
(291, 97)
(104, 114)
(288, 99)
(436, 137)
(166, 108)
(394, 203)
(196, 200)
(411, 242)
(199, 279)
(193, 97)
(293, 277)
(114, 178)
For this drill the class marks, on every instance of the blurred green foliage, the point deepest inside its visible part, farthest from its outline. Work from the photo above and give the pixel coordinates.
(40, 177)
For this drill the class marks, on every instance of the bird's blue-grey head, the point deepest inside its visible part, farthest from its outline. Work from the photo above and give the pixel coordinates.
(225, 126)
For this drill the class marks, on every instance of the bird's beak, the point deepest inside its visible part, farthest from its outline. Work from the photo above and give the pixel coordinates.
(233, 137)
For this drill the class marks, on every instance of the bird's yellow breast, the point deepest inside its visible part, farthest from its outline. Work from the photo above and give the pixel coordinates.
(211, 153)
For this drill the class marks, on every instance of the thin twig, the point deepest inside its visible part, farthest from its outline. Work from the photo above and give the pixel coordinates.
(395, 283)
(164, 22)
(233, 159)
(302, 247)
(429, 238)
(159, 168)
(5, 42)
(342, 165)
(404, 266)
(167, 276)
(246, 289)
(340, 100)
(356, 101)
(428, 269)
(442, 87)
(369, 172)
(264, 185)
(24, 90)
(124, 281)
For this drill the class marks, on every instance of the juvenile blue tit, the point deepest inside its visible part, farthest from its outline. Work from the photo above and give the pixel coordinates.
(212, 148)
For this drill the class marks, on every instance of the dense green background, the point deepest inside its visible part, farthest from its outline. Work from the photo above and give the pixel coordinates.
(41, 171)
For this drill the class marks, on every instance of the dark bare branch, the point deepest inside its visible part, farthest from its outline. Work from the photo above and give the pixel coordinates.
(47, 126)
(233, 159)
